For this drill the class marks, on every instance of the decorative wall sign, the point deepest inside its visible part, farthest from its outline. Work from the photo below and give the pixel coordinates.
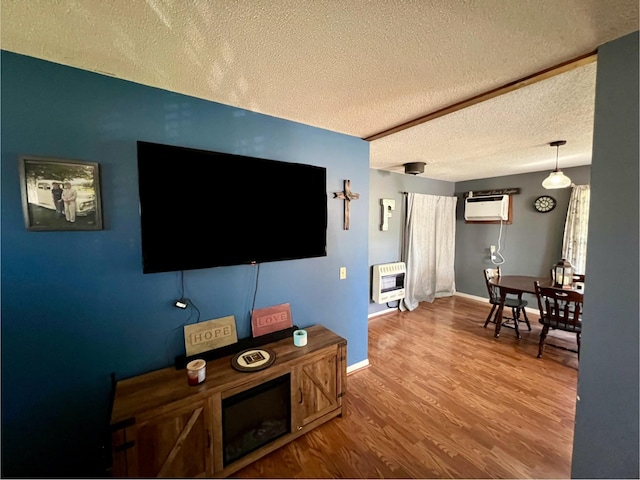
(501, 191)
(253, 360)
(347, 195)
(209, 335)
(60, 194)
(388, 204)
(270, 319)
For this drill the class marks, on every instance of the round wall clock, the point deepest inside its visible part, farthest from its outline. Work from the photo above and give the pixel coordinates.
(544, 203)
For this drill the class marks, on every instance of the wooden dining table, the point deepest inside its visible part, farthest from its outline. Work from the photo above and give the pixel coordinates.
(516, 285)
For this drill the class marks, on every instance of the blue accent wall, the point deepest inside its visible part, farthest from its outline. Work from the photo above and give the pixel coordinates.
(76, 306)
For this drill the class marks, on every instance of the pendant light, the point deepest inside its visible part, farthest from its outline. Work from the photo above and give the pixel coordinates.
(556, 179)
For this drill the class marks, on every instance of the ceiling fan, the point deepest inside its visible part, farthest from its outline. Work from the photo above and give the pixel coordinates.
(414, 168)
(409, 168)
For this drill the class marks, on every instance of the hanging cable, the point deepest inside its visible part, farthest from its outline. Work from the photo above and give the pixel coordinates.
(181, 283)
(497, 252)
(184, 302)
(255, 290)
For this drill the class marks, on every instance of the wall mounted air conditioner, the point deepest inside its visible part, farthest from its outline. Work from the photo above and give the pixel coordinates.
(388, 282)
(483, 209)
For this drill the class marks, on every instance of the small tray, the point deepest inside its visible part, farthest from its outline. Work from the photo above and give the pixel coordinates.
(253, 359)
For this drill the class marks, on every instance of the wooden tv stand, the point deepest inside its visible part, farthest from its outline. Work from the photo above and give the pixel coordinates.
(162, 427)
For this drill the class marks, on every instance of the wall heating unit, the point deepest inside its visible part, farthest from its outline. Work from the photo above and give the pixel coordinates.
(388, 282)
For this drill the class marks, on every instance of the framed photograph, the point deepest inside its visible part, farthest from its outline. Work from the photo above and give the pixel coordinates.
(60, 194)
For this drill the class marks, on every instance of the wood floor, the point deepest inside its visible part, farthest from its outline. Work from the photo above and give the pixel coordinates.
(442, 398)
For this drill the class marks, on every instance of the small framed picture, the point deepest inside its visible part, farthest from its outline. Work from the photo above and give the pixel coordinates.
(60, 194)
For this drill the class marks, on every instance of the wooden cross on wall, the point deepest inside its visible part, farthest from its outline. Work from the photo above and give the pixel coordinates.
(347, 195)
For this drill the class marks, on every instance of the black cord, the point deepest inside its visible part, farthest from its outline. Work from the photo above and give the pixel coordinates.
(389, 306)
(255, 290)
(189, 304)
(195, 308)
(187, 301)
(181, 326)
(181, 283)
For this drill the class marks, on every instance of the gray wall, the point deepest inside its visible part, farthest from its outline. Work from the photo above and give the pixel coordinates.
(386, 247)
(606, 432)
(531, 244)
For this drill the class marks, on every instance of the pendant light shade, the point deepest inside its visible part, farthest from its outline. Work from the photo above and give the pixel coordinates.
(556, 179)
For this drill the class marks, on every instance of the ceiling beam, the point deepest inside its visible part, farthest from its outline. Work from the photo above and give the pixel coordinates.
(496, 92)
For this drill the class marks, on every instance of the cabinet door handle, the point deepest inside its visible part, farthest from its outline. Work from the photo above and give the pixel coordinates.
(208, 439)
(301, 399)
(299, 428)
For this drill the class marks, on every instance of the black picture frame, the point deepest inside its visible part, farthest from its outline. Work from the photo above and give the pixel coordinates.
(45, 209)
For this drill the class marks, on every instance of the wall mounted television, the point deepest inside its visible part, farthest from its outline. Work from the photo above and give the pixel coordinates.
(203, 209)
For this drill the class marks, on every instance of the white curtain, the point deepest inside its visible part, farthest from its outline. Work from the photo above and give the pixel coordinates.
(429, 248)
(574, 244)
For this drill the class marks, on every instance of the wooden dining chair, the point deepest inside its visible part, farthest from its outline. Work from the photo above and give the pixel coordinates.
(578, 277)
(559, 309)
(515, 304)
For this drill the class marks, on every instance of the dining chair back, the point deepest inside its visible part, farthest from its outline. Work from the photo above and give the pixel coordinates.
(517, 304)
(560, 309)
(578, 277)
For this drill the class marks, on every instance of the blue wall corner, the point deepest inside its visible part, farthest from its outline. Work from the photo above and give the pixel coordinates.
(76, 306)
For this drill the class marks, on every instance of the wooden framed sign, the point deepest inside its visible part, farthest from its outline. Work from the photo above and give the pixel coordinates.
(204, 336)
(270, 319)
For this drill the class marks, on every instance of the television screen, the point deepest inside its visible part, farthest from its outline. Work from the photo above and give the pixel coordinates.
(201, 209)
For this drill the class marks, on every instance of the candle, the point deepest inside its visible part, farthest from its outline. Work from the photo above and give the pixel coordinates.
(196, 371)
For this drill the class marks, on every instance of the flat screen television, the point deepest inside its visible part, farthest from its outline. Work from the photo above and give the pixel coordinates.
(202, 209)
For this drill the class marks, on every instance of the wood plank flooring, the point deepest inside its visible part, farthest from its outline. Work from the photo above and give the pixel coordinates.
(442, 398)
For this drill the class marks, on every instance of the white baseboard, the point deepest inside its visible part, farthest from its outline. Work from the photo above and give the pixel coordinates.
(357, 366)
(471, 297)
(534, 311)
(382, 312)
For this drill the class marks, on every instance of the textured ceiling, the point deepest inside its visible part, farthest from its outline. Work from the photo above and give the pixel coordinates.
(356, 67)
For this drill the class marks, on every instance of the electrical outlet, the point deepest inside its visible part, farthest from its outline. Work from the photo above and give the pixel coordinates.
(343, 273)
(493, 249)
